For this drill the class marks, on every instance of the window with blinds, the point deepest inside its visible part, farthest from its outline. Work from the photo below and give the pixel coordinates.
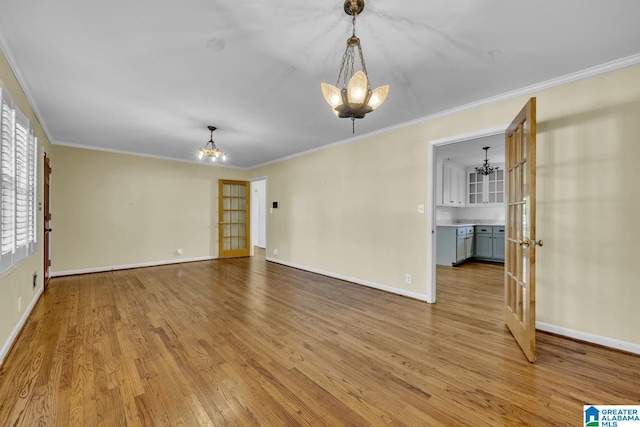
(18, 184)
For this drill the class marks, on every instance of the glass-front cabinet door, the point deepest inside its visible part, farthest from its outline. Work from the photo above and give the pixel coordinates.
(485, 189)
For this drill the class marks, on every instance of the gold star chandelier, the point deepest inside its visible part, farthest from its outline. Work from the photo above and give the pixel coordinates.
(355, 98)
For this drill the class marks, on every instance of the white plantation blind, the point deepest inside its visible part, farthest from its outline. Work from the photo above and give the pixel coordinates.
(18, 184)
(21, 178)
(7, 177)
(31, 191)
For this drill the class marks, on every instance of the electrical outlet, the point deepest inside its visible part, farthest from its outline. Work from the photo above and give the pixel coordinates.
(275, 252)
(19, 304)
(421, 208)
(178, 251)
(407, 278)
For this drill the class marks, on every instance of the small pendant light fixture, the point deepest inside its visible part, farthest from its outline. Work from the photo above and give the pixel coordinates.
(214, 153)
(485, 169)
(355, 98)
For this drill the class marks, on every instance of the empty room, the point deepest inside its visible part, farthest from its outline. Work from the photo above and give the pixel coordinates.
(218, 213)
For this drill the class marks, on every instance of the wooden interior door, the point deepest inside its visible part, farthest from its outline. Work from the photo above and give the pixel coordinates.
(47, 219)
(234, 201)
(520, 256)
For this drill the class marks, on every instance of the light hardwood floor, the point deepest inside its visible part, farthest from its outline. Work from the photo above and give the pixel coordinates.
(245, 342)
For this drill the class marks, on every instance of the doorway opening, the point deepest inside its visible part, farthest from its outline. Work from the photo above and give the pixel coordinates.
(462, 153)
(259, 213)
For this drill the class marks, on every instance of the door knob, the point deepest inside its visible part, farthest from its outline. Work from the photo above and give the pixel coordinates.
(526, 243)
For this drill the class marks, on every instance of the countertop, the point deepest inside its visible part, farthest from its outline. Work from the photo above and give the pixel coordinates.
(471, 224)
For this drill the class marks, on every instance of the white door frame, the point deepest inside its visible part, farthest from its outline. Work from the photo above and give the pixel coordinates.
(431, 196)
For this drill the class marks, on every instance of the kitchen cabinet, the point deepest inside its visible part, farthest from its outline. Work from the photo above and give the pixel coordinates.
(468, 243)
(450, 184)
(498, 245)
(489, 243)
(454, 244)
(483, 190)
(461, 252)
(484, 243)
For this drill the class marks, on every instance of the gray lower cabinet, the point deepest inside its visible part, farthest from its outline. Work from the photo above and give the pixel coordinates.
(460, 249)
(498, 245)
(489, 243)
(484, 243)
(468, 243)
(454, 245)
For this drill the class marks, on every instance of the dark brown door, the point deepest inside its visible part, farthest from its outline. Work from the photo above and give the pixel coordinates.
(520, 257)
(47, 219)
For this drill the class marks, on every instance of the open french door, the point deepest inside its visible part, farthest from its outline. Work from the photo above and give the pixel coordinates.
(520, 256)
(234, 200)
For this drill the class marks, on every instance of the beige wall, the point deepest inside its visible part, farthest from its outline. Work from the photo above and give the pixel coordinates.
(17, 282)
(351, 210)
(114, 210)
(588, 205)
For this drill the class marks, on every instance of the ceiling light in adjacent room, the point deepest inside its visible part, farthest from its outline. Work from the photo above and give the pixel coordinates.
(485, 169)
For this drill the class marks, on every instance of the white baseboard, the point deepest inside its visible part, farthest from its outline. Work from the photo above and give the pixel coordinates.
(591, 338)
(128, 266)
(16, 331)
(414, 295)
(570, 333)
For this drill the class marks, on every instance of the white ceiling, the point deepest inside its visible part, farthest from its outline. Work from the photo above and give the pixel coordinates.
(471, 153)
(148, 76)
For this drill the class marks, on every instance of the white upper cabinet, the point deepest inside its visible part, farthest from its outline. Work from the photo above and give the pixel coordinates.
(450, 184)
(484, 190)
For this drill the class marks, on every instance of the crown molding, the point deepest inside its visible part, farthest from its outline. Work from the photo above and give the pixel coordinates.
(150, 156)
(22, 81)
(534, 88)
(526, 90)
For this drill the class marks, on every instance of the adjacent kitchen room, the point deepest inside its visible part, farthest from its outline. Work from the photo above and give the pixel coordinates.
(470, 201)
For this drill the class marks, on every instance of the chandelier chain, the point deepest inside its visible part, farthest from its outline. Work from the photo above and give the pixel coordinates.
(349, 59)
(364, 65)
(344, 62)
(351, 65)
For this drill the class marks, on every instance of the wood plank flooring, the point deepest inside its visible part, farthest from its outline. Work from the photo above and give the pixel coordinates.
(245, 342)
